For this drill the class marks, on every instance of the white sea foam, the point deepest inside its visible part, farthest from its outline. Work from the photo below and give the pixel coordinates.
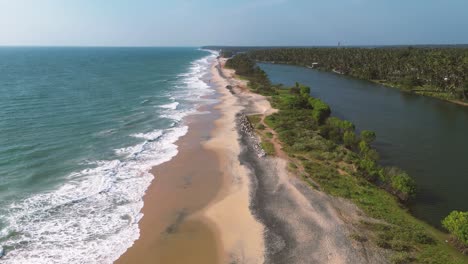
(93, 216)
(172, 106)
(149, 136)
(177, 115)
(144, 101)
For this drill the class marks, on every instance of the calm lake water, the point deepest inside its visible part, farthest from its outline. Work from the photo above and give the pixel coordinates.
(426, 137)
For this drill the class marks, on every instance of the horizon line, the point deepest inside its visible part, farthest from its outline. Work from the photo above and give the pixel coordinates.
(200, 46)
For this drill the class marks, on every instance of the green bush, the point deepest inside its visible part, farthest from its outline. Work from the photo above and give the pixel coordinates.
(402, 183)
(369, 167)
(457, 224)
(321, 111)
(363, 147)
(368, 136)
(342, 125)
(349, 139)
(372, 154)
(305, 90)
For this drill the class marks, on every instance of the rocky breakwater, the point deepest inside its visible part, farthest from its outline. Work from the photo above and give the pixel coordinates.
(245, 127)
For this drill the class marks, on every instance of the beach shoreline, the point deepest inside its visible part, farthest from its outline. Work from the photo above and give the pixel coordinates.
(181, 187)
(248, 208)
(191, 204)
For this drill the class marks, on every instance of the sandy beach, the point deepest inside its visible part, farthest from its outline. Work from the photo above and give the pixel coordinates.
(219, 201)
(195, 207)
(182, 187)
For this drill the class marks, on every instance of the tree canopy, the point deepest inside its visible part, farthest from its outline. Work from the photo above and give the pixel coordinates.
(435, 71)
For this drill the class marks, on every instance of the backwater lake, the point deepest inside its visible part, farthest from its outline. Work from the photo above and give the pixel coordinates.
(426, 137)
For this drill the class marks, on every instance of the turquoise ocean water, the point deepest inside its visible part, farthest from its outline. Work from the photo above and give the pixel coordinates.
(79, 130)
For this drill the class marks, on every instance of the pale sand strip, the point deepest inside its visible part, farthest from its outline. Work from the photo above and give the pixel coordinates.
(241, 234)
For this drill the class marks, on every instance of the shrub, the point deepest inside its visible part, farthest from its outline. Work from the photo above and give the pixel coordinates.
(321, 111)
(363, 147)
(305, 90)
(349, 139)
(369, 167)
(368, 136)
(372, 154)
(457, 224)
(294, 90)
(403, 183)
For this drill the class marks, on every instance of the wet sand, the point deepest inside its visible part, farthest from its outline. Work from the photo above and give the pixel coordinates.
(172, 229)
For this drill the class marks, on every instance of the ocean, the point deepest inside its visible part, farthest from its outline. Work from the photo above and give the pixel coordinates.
(80, 128)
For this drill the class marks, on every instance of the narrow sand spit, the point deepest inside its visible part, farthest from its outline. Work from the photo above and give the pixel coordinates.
(302, 225)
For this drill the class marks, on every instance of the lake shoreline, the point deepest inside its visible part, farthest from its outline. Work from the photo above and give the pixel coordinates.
(387, 85)
(409, 130)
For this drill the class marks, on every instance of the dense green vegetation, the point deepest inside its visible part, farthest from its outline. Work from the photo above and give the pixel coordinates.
(437, 72)
(457, 224)
(343, 163)
(248, 69)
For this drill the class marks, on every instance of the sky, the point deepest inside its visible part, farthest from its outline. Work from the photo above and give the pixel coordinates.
(233, 22)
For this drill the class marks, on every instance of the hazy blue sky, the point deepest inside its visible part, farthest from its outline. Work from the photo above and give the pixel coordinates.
(236, 22)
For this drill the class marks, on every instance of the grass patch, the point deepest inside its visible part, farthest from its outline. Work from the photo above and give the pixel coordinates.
(254, 119)
(268, 147)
